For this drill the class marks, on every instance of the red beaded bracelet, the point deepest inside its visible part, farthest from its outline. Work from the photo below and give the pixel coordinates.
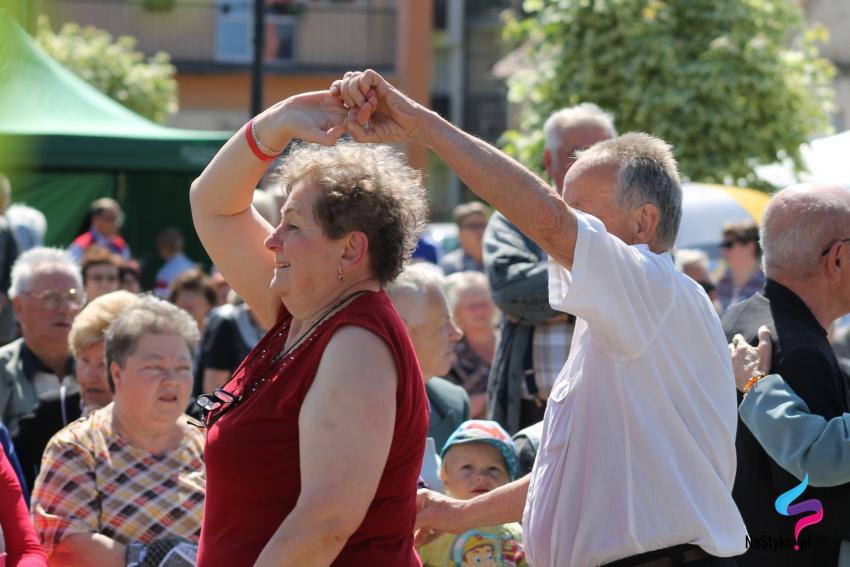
(256, 145)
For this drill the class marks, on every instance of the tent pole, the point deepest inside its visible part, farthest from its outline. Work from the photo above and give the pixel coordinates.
(257, 63)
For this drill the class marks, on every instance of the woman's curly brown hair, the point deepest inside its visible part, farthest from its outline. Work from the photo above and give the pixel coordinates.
(367, 188)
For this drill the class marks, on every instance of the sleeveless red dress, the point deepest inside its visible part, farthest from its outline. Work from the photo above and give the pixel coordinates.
(252, 454)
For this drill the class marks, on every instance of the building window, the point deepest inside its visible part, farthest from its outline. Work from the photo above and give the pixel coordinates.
(235, 32)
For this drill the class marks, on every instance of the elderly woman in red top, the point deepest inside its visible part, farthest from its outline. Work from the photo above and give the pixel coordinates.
(314, 446)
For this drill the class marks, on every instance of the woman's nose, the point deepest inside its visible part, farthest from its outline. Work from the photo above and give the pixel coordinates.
(273, 241)
(85, 376)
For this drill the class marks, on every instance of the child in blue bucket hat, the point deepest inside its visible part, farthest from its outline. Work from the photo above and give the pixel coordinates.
(477, 458)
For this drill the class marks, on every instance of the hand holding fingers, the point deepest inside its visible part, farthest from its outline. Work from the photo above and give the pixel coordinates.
(330, 136)
(364, 113)
(368, 80)
(317, 117)
(351, 93)
(361, 134)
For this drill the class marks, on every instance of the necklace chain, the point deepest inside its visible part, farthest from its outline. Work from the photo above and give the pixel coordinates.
(289, 354)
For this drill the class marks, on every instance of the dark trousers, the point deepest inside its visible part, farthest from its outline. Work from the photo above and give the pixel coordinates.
(676, 556)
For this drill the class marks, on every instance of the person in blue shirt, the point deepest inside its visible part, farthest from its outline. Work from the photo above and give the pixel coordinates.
(799, 441)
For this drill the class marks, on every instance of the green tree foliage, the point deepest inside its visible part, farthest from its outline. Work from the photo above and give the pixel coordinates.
(732, 84)
(146, 86)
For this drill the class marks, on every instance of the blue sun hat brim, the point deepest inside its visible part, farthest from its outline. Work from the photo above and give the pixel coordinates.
(485, 431)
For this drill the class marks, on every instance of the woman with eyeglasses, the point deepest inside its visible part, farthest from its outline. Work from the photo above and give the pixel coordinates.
(101, 272)
(314, 447)
(124, 486)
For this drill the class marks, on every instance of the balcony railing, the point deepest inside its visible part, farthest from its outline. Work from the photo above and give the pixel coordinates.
(211, 33)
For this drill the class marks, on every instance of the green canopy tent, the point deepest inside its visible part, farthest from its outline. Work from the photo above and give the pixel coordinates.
(63, 144)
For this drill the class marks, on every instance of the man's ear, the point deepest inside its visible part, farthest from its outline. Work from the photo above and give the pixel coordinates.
(117, 375)
(17, 305)
(647, 219)
(833, 262)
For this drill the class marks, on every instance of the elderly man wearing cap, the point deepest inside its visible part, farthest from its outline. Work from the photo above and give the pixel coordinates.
(477, 458)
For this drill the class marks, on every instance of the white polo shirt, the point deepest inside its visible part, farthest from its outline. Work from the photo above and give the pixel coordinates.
(638, 447)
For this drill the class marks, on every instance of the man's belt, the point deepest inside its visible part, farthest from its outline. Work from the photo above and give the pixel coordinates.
(668, 557)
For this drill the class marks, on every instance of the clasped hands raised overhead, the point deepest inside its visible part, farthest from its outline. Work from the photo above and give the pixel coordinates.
(362, 103)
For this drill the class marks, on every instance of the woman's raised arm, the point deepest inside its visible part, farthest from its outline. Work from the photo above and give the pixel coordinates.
(231, 231)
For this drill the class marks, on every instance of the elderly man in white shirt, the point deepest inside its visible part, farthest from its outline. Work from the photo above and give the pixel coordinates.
(637, 460)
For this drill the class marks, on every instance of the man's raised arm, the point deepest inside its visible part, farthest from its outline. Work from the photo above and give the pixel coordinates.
(523, 197)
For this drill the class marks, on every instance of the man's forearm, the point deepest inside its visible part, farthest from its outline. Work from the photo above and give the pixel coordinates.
(501, 506)
(525, 199)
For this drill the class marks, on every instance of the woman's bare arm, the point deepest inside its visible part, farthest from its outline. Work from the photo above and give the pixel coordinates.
(85, 550)
(346, 427)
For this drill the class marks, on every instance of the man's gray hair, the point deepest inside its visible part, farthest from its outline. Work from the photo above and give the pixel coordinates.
(40, 260)
(148, 316)
(584, 114)
(413, 288)
(794, 234)
(647, 173)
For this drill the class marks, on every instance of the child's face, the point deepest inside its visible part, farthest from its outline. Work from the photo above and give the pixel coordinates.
(471, 469)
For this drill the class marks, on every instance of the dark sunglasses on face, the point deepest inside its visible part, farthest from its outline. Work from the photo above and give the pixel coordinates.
(708, 287)
(730, 243)
(474, 226)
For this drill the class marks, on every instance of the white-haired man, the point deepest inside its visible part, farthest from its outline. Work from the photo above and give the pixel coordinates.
(637, 458)
(806, 246)
(38, 392)
(418, 296)
(534, 339)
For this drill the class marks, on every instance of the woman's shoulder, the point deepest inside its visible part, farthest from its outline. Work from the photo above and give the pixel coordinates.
(372, 308)
(193, 437)
(89, 434)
